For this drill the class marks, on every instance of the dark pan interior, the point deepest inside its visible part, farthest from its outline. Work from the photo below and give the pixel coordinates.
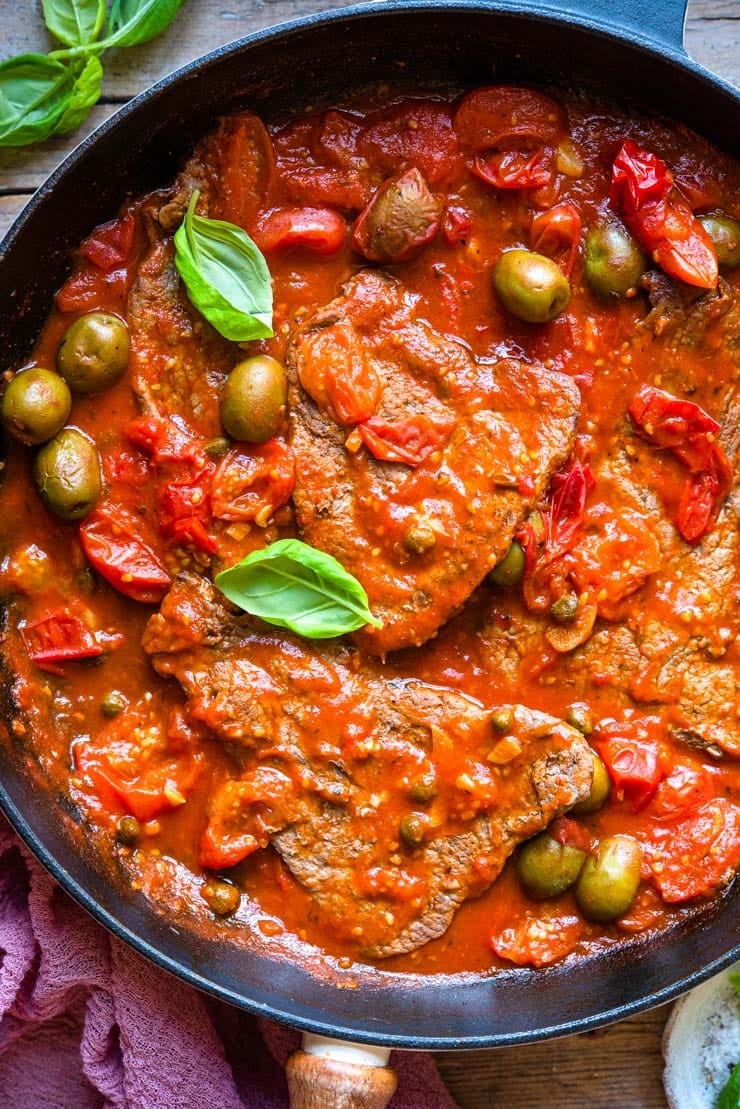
(317, 60)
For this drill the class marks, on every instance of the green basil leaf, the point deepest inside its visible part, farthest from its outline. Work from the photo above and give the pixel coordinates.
(35, 92)
(85, 93)
(300, 588)
(132, 22)
(226, 276)
(74, 22)
(729, 1096)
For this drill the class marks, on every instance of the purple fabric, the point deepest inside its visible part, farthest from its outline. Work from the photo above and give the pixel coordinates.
(85, 1023)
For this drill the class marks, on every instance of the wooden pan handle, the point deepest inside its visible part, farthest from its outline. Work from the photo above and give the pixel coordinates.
(326, 1076)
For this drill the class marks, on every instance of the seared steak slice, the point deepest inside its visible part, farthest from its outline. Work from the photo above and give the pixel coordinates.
(318, 741)
(372, 381)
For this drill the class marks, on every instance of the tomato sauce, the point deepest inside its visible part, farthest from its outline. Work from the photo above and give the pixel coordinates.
(633, 525)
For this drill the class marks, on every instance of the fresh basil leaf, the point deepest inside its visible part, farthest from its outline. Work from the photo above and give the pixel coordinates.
(35, 92)
(729, 1095)
(226, 276)
(300, 588)
(132, 22)
(85, 93)
(74, 22)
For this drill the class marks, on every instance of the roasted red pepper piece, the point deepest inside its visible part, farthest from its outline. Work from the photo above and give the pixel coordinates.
(111, 539)
(184, 513)
(57, 638)
(319, 231)
(686, 430)
(643, 193)
(409, 441)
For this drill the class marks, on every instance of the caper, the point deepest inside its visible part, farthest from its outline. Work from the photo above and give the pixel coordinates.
(128, 831)
(254, 398)
(218, 447)
(413, 828)
(423, 787)
(502, 720)
(94, 352)
(419, 538)
(725, 234)
(67, 474)
(113, 703)
(564, 609)
(601, 787)
(614, 261)
(510, 570)
(547, 868)
(35, 405)
(531, 286)
(579, 716)
(221, 897)
(608, 882)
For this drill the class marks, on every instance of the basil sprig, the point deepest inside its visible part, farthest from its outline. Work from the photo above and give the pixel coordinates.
(225, 274)
(300, 588)
(49, 94)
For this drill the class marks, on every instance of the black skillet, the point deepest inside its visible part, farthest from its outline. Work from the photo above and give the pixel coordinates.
(624, 48)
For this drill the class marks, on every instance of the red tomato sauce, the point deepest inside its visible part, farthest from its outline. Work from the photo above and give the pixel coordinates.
(637, 550)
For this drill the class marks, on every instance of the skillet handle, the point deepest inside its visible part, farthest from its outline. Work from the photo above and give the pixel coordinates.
(660, 20)
(332, 1074)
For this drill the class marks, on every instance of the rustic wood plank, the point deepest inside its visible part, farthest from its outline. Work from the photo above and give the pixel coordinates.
(10, 206)
(616, 1066)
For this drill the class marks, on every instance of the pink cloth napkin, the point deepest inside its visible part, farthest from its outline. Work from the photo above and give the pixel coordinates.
(86, 1023)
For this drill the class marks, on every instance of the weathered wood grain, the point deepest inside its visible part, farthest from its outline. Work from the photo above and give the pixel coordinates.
(620, 1066)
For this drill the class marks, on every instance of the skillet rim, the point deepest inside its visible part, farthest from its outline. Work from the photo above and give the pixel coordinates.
(285, 1010)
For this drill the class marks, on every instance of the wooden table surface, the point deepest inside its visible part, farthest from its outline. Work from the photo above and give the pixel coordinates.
(616, 1067)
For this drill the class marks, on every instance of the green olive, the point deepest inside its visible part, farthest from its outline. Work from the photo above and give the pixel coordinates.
(221, 897)
(413, 828)
(531, 286)
(93, 352)
(35, 405)
(608, 882)
(601, 787)
(254, 398)
(614, 261)
(725, 234)
(128, 831)
(510, 570)
(547, 868)
(67, 474)
(423, 787)
(579, 716)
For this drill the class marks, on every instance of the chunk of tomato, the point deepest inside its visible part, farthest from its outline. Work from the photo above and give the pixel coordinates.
(409, 441)
(695, 856)
(319, 231)
(634, 762)
(251, 482)
(112, 541)
(59, 637)
(243, 814)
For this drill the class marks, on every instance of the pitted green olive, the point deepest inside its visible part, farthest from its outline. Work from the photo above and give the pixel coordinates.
(601, 788)
(35, 405)
(254, 398)
(547, 868)
(531, 286)
(608, 882)
(510, 570)
(67, 474)
(614, 261)
(94, 352)
(725, 234)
